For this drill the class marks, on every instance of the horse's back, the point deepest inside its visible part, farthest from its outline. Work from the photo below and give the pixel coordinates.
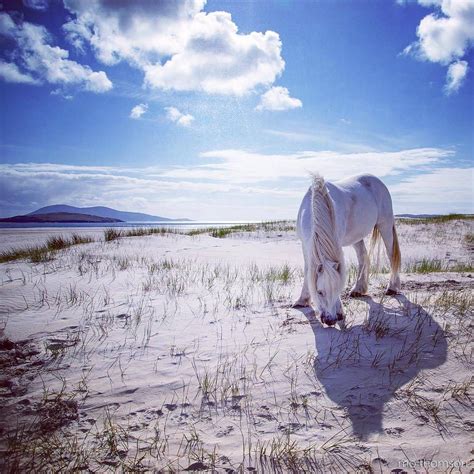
(376, 188)
(365, 202)
(367, 189)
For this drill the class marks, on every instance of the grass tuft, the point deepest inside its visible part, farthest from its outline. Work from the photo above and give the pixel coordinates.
(469, 239)
(112, 234)
(43, 253)
(77, 239)
(143, 231)
(434, 265)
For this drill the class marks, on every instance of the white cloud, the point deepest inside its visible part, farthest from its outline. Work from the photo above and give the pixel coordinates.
(173, 114)
(37, 61)
(177, 45)
(455, 76)
(96, 81)
(135, 31)
(439, 190)
(138, 111)
(9, 72)
(425, 185)
(446, 35)
(278, 98)
(239, 166)
(26, 186)
(61, 93)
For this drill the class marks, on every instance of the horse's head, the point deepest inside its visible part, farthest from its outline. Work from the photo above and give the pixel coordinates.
(328, 283)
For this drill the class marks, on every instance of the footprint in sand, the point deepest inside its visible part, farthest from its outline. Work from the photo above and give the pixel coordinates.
(397, 431)
(225, 431)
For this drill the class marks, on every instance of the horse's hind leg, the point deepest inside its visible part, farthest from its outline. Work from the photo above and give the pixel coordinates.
(362, 284)
(389, 237)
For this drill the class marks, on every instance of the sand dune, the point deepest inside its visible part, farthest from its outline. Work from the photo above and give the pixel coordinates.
(176, 352)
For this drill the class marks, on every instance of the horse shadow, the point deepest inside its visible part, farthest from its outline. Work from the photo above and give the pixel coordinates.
(362, 367)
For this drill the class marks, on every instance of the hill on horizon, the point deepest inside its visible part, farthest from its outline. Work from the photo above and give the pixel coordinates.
(59, 217)
(103, 211)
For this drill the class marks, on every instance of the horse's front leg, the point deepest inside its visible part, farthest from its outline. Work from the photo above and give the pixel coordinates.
(362, 284)
(304, 299)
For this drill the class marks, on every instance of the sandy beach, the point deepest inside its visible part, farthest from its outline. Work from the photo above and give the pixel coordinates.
(166, 353)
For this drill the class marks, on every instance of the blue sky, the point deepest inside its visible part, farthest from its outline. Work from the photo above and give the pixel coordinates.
(219, 110)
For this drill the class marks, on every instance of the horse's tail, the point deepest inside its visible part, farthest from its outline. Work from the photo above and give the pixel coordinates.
(375, 243)
(395, 260)
(395, 257)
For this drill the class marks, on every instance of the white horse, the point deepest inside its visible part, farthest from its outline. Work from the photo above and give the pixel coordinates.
(335, 215)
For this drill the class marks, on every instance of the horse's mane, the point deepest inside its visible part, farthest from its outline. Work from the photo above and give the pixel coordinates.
(326, 248)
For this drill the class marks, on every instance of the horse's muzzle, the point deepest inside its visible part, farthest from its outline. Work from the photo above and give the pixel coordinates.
(330, 321)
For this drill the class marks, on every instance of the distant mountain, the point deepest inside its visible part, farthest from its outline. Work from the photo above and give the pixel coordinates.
(59, 217)
(102, 211)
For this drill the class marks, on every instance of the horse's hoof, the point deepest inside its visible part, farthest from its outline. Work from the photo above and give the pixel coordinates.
(390, 292)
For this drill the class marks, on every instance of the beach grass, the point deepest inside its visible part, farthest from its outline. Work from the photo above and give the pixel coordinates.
(434, 265)
(435, 219)
(45, 252)
(266, 226)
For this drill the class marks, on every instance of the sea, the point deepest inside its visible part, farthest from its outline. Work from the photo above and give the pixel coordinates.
(178, 225)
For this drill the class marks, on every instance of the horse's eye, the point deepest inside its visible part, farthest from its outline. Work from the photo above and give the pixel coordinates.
(321, 293)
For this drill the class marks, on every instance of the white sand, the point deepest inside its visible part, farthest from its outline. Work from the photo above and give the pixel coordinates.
(187, 350)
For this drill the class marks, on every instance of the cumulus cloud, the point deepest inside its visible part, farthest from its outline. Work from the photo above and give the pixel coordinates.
(37, 61)
(133, 31)
(176, 44)
(10, 72)
(138, 111)
(455, 76)
(278, 98)
(173, 114)
(445, 36)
